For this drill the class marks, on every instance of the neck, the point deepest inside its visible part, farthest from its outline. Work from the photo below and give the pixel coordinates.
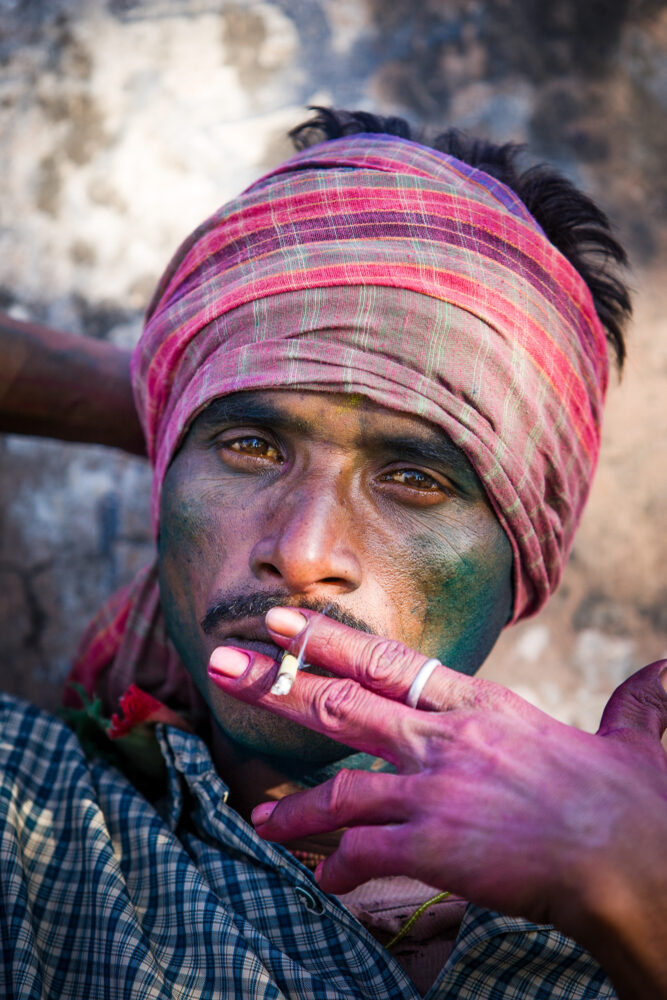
(253, 778)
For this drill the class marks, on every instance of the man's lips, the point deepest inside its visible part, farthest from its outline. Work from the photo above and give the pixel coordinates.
(255, 645)
(252, 636)
(256, 640)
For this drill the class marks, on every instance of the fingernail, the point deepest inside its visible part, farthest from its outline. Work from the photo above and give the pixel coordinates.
(318, 871)
(261, 813)
(285, 621)
(228, 661)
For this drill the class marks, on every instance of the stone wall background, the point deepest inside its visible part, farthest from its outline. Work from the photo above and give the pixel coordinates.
(123, 124)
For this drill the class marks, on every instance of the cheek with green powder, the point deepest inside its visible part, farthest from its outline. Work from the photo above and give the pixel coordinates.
(467, 599)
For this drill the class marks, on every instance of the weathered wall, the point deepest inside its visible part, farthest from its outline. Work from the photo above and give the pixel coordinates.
(124, 123)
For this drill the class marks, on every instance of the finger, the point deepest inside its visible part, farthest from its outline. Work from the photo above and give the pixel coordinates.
(385, 666)
(347, 799)
(339, 708)
(639, 705)
(367, 852)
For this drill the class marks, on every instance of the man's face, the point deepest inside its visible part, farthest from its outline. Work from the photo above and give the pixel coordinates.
(315, 499)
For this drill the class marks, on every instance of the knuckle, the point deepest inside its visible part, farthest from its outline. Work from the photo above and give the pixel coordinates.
(386, 662)
(644, 704)
(468, 729)
(352, 845)
(483, 695)
(476, 729)
(339, 792)
(640, 698)
(337, 701)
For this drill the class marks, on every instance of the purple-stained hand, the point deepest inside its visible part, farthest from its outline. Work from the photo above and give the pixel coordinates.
(493, 799)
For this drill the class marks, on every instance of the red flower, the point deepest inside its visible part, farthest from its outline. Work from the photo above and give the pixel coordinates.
(136, 707)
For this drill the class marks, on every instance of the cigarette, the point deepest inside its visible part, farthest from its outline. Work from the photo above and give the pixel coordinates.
(288, 669)
(290, 665)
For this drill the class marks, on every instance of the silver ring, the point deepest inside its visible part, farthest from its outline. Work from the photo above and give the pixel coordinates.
(417, 686)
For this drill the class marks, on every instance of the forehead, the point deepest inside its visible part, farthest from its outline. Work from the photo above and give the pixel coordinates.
(345, 418)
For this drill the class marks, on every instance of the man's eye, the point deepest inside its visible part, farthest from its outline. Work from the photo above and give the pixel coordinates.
(255, 447)
(414, 479)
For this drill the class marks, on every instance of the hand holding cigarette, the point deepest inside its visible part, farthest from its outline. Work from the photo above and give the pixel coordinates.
(493, 799)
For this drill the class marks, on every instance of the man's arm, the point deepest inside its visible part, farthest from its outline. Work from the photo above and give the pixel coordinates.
(55, 384)
(493, 799)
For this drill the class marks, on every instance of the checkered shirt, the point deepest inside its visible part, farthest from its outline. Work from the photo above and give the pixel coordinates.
(104, 896)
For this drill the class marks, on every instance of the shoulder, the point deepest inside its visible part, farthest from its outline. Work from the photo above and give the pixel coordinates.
(36, 749)
(22, 720)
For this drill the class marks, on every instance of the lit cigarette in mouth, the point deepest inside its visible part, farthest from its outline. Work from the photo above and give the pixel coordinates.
(289, 665)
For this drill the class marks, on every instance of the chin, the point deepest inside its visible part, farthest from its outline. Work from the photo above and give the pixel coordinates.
(258, 731)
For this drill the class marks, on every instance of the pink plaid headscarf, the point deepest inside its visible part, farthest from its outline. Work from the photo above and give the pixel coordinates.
(378, 266)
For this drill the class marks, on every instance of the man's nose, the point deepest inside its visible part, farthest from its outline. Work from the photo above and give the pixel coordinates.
(308, 545)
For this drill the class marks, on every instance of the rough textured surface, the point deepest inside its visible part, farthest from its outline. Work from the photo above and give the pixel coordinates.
(124, 123)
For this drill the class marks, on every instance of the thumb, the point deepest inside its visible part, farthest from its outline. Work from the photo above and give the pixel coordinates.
(639, 704)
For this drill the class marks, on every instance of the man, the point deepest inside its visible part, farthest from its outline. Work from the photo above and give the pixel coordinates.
(371, 391)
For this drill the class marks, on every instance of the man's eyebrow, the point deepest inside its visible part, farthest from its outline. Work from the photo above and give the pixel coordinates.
(245, 408)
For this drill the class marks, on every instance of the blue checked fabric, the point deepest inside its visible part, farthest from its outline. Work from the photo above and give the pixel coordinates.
(102, 896)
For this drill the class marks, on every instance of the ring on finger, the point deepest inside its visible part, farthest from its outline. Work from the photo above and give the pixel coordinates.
(417, 686)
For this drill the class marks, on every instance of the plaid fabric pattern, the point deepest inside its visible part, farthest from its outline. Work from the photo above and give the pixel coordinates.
(104, 896)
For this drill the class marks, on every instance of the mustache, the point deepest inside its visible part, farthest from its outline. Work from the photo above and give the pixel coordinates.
(240, 606)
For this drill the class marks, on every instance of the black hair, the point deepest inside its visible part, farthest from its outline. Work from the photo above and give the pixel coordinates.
(570, 219)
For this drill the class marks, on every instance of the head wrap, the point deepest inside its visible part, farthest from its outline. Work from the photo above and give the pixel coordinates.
(488, 332)
(375, 265)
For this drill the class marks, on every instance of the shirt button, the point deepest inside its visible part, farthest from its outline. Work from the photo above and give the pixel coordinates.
(309, 899)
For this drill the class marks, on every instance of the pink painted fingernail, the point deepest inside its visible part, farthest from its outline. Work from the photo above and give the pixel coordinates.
(285, 621)
(261, 813)
(318, 871)
(228, 661)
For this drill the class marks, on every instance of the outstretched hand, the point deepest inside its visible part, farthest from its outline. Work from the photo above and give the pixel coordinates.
(492, 799)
